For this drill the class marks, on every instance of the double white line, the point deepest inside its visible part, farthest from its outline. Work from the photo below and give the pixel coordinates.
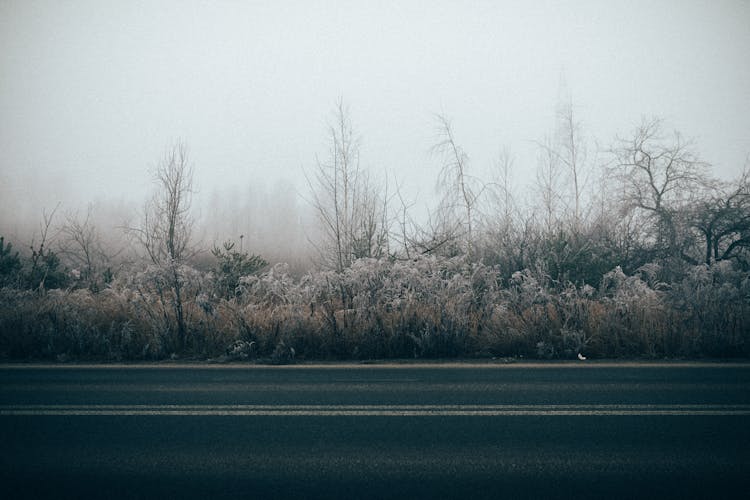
(378, 410)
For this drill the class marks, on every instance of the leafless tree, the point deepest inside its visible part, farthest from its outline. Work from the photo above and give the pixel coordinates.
(573, 155)
(498, 213)
(503, 187)
(81, 245)
(406, 225)
(549, 185)
(44, 271)
(723, 219)
(352, 210)
(442, 235)
(563, 170)
(659, 178)
(166, 227)
(461, 190)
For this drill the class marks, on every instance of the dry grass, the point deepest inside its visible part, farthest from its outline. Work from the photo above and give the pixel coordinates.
(426, 308)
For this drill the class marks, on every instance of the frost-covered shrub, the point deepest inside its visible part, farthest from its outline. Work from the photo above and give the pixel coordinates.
(637, 317)
(712, 305)
(375, 308)
(173, 301)
(270, 289)
(431, 306)
(76, 324)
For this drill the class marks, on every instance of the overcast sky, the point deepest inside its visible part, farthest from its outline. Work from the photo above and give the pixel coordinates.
(92, 92)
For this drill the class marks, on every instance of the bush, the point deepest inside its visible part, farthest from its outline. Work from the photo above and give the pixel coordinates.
(428, 307)
(231, 266)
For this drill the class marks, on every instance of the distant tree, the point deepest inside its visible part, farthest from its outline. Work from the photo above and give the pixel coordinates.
(549, 182)
(569, 152)
(503, 201)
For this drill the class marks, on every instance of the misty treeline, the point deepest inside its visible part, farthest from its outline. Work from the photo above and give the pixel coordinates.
(633, 250)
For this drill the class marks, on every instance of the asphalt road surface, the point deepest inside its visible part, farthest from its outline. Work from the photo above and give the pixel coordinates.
(582, 430)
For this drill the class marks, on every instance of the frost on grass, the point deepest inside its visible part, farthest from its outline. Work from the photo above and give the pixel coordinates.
(428, 307)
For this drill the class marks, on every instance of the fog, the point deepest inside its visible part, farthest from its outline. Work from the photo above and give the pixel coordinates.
(92, 93)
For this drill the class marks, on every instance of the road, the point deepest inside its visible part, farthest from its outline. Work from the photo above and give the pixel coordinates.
(586, 430)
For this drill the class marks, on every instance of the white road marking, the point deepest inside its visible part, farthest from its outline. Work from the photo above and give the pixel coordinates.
(376, 410)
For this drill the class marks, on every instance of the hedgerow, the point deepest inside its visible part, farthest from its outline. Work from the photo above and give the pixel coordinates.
(426, 307)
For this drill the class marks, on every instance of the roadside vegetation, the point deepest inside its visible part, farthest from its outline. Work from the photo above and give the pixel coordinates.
(630, 251)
